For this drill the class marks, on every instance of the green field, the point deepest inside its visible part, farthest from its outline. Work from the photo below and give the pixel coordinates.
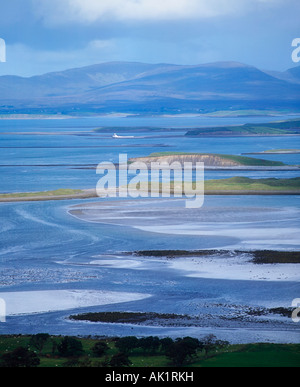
(243, 355)
(256, 355)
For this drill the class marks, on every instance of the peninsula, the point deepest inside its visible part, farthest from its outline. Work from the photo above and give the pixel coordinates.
(60, 194)
(278, 128)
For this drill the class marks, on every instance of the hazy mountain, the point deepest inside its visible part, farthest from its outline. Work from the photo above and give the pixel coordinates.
(123, 86)
(292, 75)
(72, 81)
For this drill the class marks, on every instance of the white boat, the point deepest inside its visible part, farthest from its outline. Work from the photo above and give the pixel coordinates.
(116, 136)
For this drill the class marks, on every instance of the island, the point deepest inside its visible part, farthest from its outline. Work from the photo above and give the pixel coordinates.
(278, 128)
(238, 185)
(211, 160)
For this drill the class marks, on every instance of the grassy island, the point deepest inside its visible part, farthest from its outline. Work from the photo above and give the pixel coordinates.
(209, 159)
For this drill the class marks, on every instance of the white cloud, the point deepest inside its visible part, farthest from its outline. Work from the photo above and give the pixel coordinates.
(89, 11)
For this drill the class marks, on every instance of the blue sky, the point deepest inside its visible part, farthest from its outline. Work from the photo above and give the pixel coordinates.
(52, 35)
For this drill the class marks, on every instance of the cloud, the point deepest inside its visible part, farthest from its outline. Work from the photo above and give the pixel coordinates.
(89, 11)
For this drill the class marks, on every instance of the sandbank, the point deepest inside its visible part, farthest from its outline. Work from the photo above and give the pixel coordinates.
(235, 268)
(18, 303)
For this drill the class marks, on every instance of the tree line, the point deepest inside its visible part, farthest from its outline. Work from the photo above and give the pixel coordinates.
(180, 351)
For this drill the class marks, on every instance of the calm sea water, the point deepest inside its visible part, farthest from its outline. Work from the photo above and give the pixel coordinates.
(39, 155)
(43, 248)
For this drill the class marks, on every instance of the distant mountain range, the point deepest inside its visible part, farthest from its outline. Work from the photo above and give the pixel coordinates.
(152, 88)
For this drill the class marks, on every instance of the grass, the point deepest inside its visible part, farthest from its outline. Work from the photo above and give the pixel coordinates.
(238, 355)
(249, 161)
(59, 192)
(256, 355)
(231, 185)
(247, 184)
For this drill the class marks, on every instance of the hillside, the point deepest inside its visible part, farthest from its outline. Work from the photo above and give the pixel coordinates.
(70, 82)
(151, 88)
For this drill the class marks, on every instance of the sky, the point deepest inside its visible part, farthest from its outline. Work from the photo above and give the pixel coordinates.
(53, 35)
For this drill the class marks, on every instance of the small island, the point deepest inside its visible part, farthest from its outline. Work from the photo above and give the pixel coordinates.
(173, 320)
(209, 159)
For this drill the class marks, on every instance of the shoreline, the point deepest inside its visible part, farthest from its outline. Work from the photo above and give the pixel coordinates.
(91, 193)
(84, 194)
(29, 302)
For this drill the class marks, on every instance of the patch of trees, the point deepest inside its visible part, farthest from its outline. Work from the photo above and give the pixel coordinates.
(180, 352)
(20, 357)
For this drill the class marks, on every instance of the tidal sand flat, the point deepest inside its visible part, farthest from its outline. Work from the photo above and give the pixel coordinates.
(70, 253)
(19, 303)
(237, 267)
(239, 226)
(225, 266)
(54, 265)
